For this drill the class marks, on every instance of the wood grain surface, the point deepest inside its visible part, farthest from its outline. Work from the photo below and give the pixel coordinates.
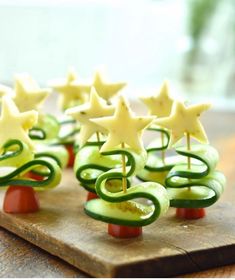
(18, 258)
(30, 261)
(64, 230)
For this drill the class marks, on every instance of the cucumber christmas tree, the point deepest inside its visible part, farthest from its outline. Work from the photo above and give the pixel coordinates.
(158, 164)
(17, 159)
(29, 96)
(194, 184)
(72, 92)
(118, 207)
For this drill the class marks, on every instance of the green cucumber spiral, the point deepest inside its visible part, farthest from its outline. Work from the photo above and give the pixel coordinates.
(69, 129)
(90, 163)
(45, 135)
(201, 185)
(155, 169)
(47, 128)
(122, 208)
(16, 160)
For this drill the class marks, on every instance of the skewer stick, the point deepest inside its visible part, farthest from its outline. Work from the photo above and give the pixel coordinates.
(188, 148)
(98, 137)
(124, 184)
(163, 151)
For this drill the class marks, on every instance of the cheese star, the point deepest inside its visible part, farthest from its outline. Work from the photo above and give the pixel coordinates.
(160, 104)
(185, 120)
(28, 94)
(15, 125)
(106, 90)
(124, 127)
(96, 107)
(71, 91)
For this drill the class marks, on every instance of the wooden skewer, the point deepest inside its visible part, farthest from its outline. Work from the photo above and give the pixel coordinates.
(189, 159)
(98, 137)
(124, 183)
(188, 148)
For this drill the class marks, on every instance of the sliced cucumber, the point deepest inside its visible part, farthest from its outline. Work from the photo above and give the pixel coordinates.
(121, 209)
(197, 187)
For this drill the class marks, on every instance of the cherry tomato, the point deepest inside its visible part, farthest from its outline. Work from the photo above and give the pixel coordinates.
(91, 196)
(124, 231)
(69, 148)
(20, 199)
(190, 213)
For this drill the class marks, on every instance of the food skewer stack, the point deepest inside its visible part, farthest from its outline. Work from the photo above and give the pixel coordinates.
(104, 147)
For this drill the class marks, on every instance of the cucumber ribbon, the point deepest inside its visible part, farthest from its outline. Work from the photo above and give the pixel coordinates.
(47, 128)
(90, 163)
(46, 135)
(201, 185)
(116, 207)
(17, 160)
(69, 128)
(155, 169)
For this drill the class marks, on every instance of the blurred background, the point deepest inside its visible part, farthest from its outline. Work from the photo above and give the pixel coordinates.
(189, 42)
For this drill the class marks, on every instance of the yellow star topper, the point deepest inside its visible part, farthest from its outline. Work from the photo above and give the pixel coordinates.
(124, 127)
(28, 94)
(16, 125)
(185, 120)
(96, 107)
(104, 89)
(72, 92)
(160, 104)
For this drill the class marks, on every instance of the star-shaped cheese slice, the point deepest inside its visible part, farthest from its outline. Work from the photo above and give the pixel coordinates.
(104, 89)
(95, 108)
(16, 125)
(124, 127)
(160, 104)
(71, 91)
(183, 120)
(28, 94)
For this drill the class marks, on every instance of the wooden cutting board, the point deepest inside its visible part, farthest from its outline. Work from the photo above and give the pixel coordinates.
(168, 247)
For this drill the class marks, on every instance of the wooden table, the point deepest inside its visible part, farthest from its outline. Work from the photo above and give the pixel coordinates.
(19, 258)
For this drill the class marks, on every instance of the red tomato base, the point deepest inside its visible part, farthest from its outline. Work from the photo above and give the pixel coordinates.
(190, 213)
(20, 199)
(124, 231)
(91, 196)
(71, 155)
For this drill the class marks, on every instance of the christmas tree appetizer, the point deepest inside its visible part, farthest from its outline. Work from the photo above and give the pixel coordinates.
(89, 163)
(158, 164)
(125, 215)
(195, 184)
(29, 96)
(72, 92)
(17, 159)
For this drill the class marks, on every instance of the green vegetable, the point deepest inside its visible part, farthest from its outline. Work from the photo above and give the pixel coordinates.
(155, 169)
(47, 128)
(89, 164)
(121, 208)
(69, 128)
(17, 160)
(199, 187)
(46, 135)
